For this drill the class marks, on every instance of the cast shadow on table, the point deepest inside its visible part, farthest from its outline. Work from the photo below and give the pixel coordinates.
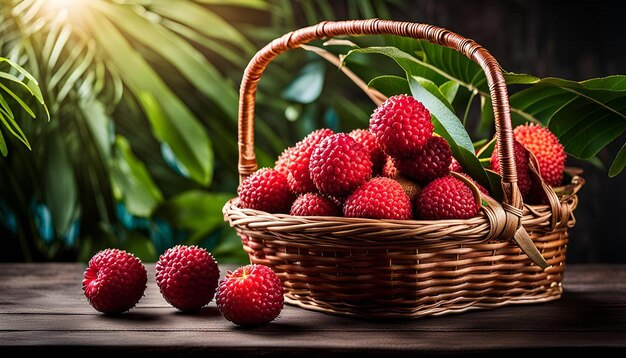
(208, 311)
(270, 329)
(130, 317)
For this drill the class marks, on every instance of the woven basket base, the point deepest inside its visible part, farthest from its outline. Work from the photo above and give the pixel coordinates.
(551, 294)
(408, 283)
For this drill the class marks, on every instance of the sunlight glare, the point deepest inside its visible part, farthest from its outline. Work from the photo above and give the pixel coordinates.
(63, 4)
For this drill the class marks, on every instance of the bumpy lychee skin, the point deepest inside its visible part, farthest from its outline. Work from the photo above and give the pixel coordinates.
(339, 164)
(430, 163)
(187, 277)
(282, 163)
(368, 140)
(389, 169)
(252, 295)
(455, 166)
(521, 164)
(480, 187)
(446, 198)
(313, 204)
(266, 190)
(114, 281)
(546, 147)
(401, 125)
(299, 177)
(379, 198)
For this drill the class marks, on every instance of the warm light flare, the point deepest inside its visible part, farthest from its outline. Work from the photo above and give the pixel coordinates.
(63, 4)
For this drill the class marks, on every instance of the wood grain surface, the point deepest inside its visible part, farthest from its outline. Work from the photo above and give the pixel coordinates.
(42, 308)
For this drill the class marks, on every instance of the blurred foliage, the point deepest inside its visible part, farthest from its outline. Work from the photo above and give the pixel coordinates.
(140, 150)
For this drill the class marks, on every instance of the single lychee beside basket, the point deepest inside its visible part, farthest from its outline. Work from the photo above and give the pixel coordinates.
(408, 268)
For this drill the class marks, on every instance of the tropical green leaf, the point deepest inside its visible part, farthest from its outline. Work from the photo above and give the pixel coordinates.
(449, 90)
(171, 120)
(229, 54)
(586, 116)
(253, 4)
(619, 163)
(13, 128)
(448, 125)
(409, 63)
(307, 85)
(453, 65)
(140, 245)
(434, 90)
(3, 145)
(199, 212)
(98, 122)
(228, 249)
(390, 85)
(197, 17)
(132, 181)
(187, 139)
(31, 83)
(519, 78)
(189, 61)
(60, 184)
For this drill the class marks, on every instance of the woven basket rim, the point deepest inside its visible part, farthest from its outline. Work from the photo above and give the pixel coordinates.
(573, 187)
(475, 230)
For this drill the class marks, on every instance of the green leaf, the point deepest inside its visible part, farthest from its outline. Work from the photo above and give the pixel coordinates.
(409, 63)
(454, 65)
(585, 116)
(390, 85)
(448, 125)
(171, 120)
(434, 90)
(449, 90)
(3, 145)
(519, 78)
(60, 184)
(132, 181)
(229, 249)
(13, 128)
(31, 84)
(171, 47)
(98, 123)
(307, 86)
(219, 49)
(187, 139)
(253, 4)
(197, 17)
(495, 181)
(619, 163)
(199, 212)
(26, 107)
(486, 114)
(28, 84)
(140, 245)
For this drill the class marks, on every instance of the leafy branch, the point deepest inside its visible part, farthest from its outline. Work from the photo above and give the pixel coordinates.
(586, 116)
(15, 74)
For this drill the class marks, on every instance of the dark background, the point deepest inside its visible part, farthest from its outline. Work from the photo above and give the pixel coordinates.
(555, 38)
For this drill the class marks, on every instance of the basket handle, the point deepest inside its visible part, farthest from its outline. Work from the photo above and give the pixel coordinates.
(512, 199)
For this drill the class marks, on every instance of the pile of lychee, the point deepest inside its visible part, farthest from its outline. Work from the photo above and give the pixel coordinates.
(187, 276)
(397, 169)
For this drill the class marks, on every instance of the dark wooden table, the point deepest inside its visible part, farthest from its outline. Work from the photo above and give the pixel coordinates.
(42, 307)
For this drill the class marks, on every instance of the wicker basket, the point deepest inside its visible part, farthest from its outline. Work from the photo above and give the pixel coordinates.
(411, 268)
